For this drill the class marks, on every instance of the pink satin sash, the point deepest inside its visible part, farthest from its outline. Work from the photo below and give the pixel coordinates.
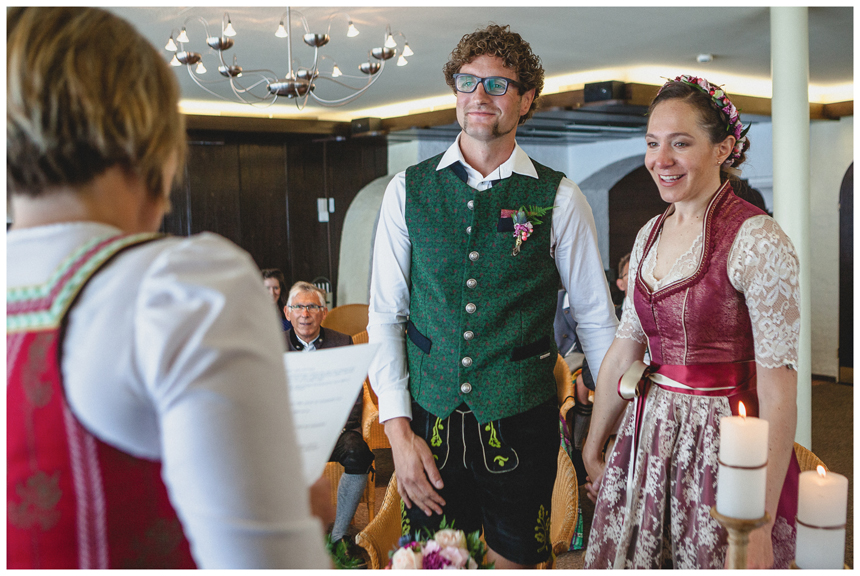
(734, 380)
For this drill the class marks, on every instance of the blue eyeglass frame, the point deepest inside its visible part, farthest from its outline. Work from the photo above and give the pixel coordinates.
(484, 81)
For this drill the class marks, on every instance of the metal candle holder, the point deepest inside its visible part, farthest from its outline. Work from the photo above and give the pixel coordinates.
(739, 536)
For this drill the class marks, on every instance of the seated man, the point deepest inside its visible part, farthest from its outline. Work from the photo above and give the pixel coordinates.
(306, 310)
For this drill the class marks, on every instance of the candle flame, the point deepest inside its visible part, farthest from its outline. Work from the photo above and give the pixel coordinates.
(821, 471)
(741, 410)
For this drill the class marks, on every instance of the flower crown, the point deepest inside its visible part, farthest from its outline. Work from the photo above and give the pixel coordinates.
(721, 102)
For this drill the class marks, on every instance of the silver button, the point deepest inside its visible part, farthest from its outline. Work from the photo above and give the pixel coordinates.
(471, 282)
(474, 256)
(468, 335)
(465, 387)
(466, 362)
(468, 229)
(470, 308)
(470, 204)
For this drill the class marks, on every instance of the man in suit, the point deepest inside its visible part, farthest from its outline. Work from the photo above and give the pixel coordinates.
(306, 310)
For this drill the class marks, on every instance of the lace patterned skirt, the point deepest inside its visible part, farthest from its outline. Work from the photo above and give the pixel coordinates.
(666, 521)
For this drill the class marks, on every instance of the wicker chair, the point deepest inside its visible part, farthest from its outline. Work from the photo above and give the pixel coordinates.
(806, 459)
(349, 318)
(381, 535)
(371, 429)
(564, 386)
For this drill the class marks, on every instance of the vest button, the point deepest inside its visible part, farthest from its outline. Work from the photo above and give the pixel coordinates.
(468, 335)
(470, 204)
(468, 229)
(470, 308)
(474, 256)
(471, 282)
(466, 362)
(465, 387)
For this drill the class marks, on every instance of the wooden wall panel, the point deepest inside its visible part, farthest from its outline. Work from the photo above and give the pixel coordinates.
(263, 203)
(260, 190)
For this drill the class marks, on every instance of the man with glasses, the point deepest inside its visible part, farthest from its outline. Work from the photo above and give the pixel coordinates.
(306, 310)
(467, 257)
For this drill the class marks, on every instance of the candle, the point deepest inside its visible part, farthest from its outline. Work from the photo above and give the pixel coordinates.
(742, 480)
(822, 502)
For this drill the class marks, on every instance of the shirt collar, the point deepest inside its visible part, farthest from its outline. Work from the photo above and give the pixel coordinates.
(518, 162)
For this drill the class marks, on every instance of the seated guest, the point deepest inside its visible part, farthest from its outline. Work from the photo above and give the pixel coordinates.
(148, 419)
(276, 284)
(306, 310)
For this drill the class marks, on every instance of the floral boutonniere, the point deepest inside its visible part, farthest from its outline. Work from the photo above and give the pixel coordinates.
(525, 219)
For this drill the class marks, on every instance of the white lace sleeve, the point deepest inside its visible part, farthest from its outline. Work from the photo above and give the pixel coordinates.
(630, 326)
(763, 266)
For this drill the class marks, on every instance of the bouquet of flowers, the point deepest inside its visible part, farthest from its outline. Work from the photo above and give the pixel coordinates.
(446, 549)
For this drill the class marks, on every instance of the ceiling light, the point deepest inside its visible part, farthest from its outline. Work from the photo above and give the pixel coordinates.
(299, 83)
(228, 30)
(407, 51)
(704, 58)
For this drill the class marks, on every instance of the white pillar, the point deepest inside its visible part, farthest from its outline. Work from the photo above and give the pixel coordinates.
(789, 46)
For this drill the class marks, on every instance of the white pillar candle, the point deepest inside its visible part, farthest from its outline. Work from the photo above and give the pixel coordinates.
(742, 480)
(822, 502)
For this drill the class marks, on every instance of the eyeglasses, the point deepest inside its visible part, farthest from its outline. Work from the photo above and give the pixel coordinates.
(494, 85)
(308, 307)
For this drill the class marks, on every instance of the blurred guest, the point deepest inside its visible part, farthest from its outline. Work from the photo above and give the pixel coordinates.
(275, 283)
(148, 420)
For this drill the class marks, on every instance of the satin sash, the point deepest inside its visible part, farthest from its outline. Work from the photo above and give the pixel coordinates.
(734, 380)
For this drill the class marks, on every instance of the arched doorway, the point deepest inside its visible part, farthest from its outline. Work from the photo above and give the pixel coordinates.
(846, 278)
(633, 201)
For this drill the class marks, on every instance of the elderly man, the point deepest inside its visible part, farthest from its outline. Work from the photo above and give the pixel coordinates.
(466, 263)
(306, 310)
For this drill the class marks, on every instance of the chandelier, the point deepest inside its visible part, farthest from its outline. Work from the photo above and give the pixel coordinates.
(262, 87)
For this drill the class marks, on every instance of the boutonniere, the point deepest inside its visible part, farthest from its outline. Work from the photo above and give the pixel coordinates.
(525, 220)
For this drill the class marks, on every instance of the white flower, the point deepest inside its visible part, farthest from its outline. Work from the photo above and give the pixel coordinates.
(449, 537)
(407, 559)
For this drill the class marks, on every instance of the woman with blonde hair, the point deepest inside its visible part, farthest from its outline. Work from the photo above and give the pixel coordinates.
(148, 422)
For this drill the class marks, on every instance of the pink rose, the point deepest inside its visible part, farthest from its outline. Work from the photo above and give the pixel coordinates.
(458, 557)
(449, 537)
(407, 559)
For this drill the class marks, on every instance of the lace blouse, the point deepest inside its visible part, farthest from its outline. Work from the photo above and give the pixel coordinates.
(762, 265)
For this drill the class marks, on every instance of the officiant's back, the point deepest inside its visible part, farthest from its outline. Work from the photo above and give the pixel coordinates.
(139, 368)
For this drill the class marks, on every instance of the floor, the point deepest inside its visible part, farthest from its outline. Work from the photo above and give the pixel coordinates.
(832, 441)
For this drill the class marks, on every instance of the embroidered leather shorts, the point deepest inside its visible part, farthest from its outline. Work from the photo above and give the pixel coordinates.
(498, 476)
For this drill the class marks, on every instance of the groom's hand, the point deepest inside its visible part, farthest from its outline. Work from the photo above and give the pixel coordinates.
(416, 469)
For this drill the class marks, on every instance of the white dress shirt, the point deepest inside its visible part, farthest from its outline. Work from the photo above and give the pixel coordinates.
(573, 246)
(173, 353)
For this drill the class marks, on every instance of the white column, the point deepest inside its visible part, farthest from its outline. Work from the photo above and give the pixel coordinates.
(789, 46)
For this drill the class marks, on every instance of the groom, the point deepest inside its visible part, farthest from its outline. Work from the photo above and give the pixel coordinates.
(466, 388)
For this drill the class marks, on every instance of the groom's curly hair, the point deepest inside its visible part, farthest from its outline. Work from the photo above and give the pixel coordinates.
(499, 41)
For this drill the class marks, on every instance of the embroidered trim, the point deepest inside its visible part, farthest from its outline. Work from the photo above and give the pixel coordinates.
(50, 307)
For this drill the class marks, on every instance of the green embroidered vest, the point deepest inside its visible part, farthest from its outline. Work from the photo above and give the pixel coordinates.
(481, 319)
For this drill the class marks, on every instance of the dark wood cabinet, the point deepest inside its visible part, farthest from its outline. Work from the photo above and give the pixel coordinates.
(260, 190)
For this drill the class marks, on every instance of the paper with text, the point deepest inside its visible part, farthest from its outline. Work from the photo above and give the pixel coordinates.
(323, 386)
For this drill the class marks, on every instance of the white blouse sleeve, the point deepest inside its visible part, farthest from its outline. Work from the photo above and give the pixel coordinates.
(630, 327)
(209, 352)
(763, 266)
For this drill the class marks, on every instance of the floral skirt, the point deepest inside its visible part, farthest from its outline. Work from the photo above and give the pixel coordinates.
(664, 519)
